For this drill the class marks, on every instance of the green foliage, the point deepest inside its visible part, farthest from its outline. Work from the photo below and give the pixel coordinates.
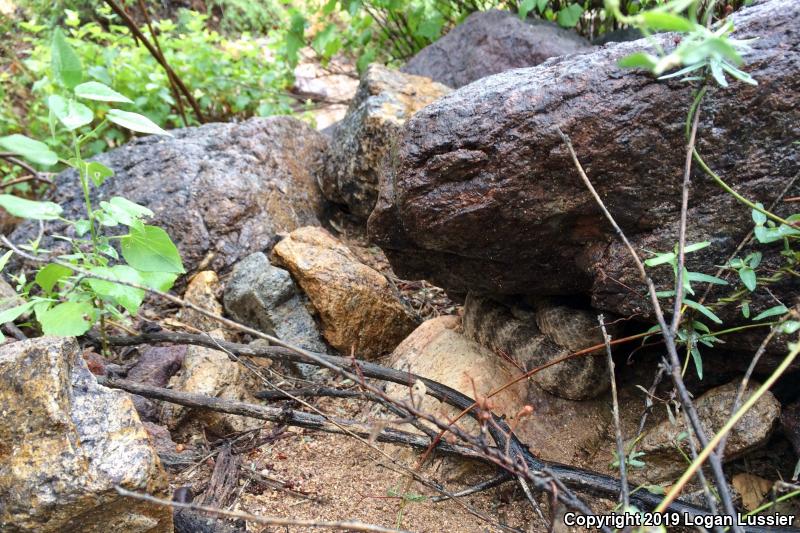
(230, 78)
(700, 51)
(64, 297)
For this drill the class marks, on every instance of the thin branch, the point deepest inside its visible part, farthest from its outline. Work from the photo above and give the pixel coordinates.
(669, 340)
(687, 175)
(266, 520)
(621, 455)
(162, 61)
(289, 417)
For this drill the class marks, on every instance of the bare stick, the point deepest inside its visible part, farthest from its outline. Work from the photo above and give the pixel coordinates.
(621, 455)
(289, 417)
(669, 340)
(687, 174)
(266, 520)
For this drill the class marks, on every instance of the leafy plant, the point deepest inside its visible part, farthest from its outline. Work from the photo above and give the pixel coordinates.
(700, 49)
(231, 78)
(691, 333)
(63, 300)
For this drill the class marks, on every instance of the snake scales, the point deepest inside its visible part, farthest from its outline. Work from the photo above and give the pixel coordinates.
(534, 335)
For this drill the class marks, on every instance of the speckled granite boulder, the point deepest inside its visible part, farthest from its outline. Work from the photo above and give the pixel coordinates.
(66, 442)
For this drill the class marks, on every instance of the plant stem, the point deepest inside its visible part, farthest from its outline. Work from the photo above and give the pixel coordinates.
(735, 194)
(712, 444)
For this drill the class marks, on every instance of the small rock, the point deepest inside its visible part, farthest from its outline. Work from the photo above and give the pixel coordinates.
(384, 101)
(265, 297)
(358, 308)
(202, 291)
(212, 373)
(156, 365)
(493, 41)
(665, 462)
(8, 296)
(436, 350)
(66, 441)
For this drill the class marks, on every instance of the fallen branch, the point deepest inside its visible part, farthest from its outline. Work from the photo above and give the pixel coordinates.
(544, 471)
(266, 520)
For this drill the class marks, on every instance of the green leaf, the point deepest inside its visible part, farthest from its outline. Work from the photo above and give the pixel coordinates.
(134, 122)
(4, 259)
(748, 277)
(128, 297)
(160, 281)
(150, 249)
(746, 309)
(772, 311)
(696, 246)
(50, 274)
(82, 227)
(34, 151)
(569, 16)
(702, 309)
(98, 172)
(705, 278)
(94, 90)
(661, 21)
(20, 207)
(698, 361)
(638, 60)
(68, 319)
(660, 259)
(758, 217)
(525, 7)
(70, 113)
(790, 326)
(65, 63)
(10, 315)
(124, 211)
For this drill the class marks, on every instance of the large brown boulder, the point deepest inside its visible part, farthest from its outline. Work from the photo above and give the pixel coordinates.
(483, 195)
(221, 191)
(489, 42)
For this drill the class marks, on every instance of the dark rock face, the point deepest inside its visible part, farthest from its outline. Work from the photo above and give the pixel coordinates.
(225, 189)
(489, 42)
(483, 196)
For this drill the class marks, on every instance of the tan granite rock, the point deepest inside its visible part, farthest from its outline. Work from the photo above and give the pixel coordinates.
(358, 307)
(660, 443)
(385, 99)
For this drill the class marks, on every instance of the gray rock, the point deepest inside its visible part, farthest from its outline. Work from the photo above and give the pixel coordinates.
(221, 189)
(384, 101)
(66, 442)
(660, 443)
(266, 298)
(490, 42)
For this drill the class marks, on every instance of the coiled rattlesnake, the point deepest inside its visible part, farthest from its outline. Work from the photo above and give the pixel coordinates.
(535, 335)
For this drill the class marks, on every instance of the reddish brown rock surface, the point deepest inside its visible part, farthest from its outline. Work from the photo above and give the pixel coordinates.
(483, 196)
